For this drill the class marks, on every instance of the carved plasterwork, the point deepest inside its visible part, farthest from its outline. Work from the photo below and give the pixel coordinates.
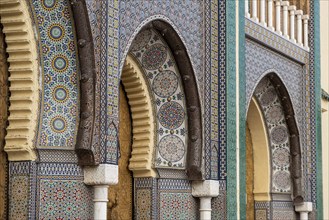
(103, 174)
(142, 119)
(207, 188)
(22, 50)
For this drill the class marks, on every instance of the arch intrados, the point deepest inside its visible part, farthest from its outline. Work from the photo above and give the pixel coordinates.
(143, 118)
(261, 154)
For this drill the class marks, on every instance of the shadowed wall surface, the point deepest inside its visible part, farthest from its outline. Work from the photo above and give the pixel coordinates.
(3, 120)
(250, 175)
(120, 196)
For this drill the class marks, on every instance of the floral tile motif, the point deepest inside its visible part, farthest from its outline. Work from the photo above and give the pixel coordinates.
(177, 206)
(164, 80)
(278, 132)
(59, 108)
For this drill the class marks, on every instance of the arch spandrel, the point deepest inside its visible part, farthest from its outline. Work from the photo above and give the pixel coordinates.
(24, 75)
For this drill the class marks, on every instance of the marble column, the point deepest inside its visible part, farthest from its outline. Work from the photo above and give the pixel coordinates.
(100, 177)
(205, 190)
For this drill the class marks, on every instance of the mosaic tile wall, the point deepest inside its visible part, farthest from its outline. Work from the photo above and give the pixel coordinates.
(262, 210)
(61, 192)
(98, 17)
(164, 199)
(59, 106)
(126, 15)
(164, 82)
(260, 61)
(22, 188)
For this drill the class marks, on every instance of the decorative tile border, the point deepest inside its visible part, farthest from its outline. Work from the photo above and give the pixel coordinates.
(165, 85)
(59, 107)
(276, 42)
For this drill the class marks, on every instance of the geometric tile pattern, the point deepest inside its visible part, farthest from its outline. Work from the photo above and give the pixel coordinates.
(315, 109)
(164, 81)
(61, 192)
(260, 61)
(262, 210)
(218, 206)
(144, 203)
(177, 205)
(59, 106)
(283, 210)
(214, 76)
(68, 199)
(274, 41)
(145, 198)
(185, 18)
(19, 197)
(175, 200)
(164, 199)
(22, 186)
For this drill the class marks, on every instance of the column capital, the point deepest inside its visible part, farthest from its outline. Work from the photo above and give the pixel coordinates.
(305, 17)
(278, 2)
(206, 188)
(285, 3)
(304, 207)
(299, 12)
(292, 8)
(103, 174)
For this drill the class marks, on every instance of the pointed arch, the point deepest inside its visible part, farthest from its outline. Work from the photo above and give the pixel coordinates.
(189, 95)
(261, 153)
(277, 109)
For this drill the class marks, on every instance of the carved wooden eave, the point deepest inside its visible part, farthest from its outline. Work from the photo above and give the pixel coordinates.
(24, 86)
(295, 151)
(87, 135)
(194, 155)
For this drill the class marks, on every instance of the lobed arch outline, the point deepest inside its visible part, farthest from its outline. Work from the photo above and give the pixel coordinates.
(295, 148)
(24, 79)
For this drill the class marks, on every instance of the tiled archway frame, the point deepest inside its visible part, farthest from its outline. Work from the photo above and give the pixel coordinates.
(283, 132)
(168, 98)
(168, 31)
(277, 130)
(24, 86)
(284, 145)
